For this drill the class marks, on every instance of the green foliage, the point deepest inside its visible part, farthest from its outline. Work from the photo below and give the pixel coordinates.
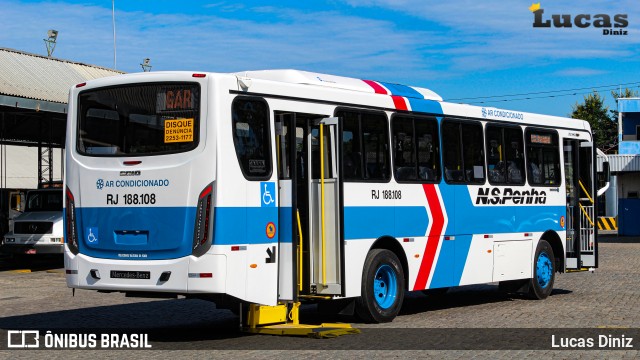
(604, 122)
(593, 110)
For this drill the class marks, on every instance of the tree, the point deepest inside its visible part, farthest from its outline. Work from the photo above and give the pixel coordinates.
(593, 110)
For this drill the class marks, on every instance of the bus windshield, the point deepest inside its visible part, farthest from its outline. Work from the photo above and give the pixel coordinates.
(138, 120)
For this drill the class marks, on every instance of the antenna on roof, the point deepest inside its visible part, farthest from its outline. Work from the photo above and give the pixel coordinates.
(51, 41)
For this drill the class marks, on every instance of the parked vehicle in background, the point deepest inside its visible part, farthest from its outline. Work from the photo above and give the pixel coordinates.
(39, 229)
(12, 203)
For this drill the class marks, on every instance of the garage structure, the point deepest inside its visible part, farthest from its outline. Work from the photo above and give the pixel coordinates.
(33, 109)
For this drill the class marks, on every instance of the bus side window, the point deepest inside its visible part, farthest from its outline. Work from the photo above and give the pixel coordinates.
(250, 123)
(352, 155)
(514, 148)
(404, 153)
(452, 152)
(505, 159)
(543, 157)
(416, 149)
(473, 151)
(365, 144)
(463, 152)
(376, 147)
(428, 151)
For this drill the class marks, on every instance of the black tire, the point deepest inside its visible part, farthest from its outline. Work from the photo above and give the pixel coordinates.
(544, 270)
(381, 298)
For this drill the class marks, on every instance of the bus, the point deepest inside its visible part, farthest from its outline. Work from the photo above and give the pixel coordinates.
(276, 187)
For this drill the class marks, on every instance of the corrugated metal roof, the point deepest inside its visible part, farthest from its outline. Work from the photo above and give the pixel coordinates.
(621, 163)
(39, 77)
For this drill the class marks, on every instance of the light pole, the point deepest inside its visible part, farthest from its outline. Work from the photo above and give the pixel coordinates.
(113, 21)
(51, 41)
(146, 65)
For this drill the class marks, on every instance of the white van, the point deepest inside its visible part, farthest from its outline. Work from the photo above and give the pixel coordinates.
(39, 229)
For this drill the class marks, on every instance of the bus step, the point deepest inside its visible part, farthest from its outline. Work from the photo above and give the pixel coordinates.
(279, 320)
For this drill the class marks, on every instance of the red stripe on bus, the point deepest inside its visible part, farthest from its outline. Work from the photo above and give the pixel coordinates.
(399, 102)
(376, 87)
(437, 216)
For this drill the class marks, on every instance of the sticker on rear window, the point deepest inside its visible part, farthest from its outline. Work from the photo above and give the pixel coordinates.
(178, 130)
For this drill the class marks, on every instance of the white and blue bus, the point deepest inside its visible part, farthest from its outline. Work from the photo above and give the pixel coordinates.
(279, 186)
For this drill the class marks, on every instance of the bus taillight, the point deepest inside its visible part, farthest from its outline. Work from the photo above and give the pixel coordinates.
(71, 235)
(203, 222)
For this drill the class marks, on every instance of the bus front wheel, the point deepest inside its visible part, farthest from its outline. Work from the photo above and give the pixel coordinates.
(544, 270)
(382, 290)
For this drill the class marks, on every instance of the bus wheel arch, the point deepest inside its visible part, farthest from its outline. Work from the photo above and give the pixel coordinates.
(554, 240)
(383, 282)
(392, 244)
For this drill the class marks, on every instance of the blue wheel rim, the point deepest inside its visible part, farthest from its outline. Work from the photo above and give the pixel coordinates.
(385, 286)
(544, 270)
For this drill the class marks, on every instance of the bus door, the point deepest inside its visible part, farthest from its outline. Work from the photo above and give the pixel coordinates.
(581, 242)
(287, 217)
(324, 210)
(310, 247)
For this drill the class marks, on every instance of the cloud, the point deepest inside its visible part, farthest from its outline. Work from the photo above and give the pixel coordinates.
(492, 34)
(580, 72)
(409, 41)
(264, 37)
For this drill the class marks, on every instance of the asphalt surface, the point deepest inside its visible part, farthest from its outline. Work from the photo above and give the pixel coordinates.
(468, 322)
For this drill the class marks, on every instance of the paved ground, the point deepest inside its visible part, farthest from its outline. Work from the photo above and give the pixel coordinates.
(602, 303)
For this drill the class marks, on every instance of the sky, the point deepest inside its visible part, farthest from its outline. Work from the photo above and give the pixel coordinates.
(467, 51)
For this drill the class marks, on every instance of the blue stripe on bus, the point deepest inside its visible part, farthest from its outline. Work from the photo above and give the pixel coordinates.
(367, 222)
(402, 90)
(152, 233)
(136, 233)
(245, 225)
(425, 106)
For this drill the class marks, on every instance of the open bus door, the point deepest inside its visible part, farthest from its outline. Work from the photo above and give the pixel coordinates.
(581, 242)
(287, 218)
(310, 210)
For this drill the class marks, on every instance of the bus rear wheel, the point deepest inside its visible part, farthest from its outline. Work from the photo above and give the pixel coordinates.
(382, 290)
(544, 270)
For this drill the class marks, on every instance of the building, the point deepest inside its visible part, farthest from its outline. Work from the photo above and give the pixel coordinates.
(626, 168)
(33, 118)
(34, 91)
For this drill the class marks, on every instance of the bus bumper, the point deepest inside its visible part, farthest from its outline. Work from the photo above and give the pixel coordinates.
(187, 275)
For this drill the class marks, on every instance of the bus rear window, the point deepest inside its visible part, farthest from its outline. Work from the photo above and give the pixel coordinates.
(139, 120)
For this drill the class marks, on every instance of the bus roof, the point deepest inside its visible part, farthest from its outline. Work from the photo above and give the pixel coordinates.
(341, 82)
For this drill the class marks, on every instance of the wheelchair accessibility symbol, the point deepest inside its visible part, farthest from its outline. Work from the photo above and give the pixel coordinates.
(92, 235)
(267, 192)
